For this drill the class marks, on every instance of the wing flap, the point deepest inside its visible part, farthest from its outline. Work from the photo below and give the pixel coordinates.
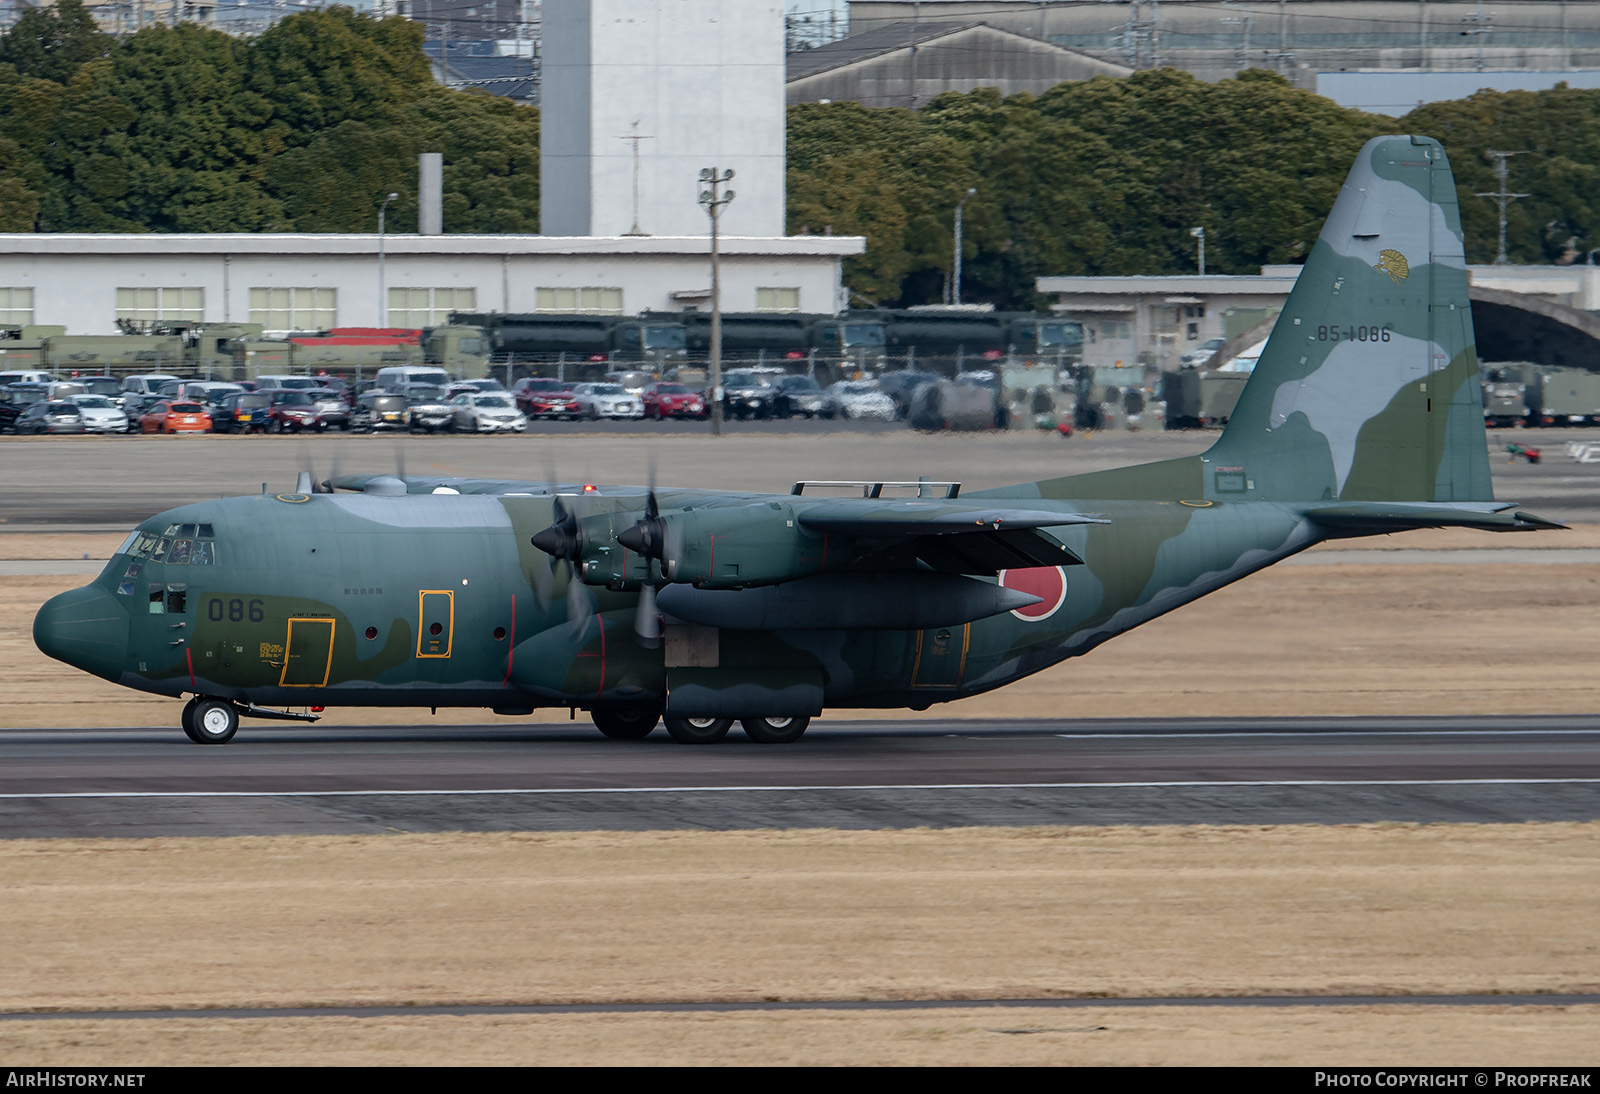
(895, 518)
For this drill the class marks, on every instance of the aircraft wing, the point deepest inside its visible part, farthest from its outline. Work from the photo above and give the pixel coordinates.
(955, 539)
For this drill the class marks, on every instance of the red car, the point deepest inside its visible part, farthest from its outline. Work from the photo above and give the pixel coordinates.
(664, 399)
(176, 416)
(538, 397)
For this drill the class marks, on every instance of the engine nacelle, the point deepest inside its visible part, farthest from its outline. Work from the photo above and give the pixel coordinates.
(741, 546)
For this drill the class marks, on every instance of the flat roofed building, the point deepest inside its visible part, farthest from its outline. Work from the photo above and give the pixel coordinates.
(87, 282)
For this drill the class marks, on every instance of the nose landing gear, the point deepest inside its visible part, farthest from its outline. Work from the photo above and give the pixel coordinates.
(210, 721)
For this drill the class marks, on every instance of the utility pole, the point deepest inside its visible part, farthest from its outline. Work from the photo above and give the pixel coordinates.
(635, 138)
(713, 196)
(383, 309)
(1502, 197)
(1479, 25)
(1200, 234)
(955, 277)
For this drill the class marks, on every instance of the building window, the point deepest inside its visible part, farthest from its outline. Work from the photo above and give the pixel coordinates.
(593, 300)
(777, 300)
(293, 309)
(16, 306)
(149, 305)
(428, 307)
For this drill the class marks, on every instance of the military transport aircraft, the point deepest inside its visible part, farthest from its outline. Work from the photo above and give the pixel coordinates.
(633, 603)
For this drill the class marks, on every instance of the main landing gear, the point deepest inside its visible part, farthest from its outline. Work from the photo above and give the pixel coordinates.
(636, 723)
(210, 721)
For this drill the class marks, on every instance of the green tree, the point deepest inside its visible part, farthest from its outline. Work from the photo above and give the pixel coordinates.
(51, 43)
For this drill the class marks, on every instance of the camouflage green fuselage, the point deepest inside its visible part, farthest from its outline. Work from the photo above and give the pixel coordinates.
(339, 605)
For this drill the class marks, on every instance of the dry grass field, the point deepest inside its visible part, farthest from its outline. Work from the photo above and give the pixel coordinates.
(814, 915)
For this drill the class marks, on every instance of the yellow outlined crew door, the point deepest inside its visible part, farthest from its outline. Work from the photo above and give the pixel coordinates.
(941, 657)
(307, 654)
(436, 620)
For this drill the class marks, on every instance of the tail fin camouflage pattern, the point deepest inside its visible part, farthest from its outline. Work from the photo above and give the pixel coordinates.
(1367, 390)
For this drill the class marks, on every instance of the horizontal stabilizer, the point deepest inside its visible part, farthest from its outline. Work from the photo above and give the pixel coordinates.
(1368, 518)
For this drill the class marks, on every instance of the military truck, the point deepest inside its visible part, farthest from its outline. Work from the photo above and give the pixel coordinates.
(1568, 397)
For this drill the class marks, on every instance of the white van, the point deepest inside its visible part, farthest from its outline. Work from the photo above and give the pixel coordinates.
(394, 377)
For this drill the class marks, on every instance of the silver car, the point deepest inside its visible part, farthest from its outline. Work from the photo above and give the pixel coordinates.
(487, 412)
(606, 401)
(101, 413)
(858, 399)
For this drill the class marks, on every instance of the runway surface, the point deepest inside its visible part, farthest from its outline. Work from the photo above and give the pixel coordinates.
(861, 775)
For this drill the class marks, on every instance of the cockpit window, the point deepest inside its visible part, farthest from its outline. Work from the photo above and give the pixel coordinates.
(182, 544)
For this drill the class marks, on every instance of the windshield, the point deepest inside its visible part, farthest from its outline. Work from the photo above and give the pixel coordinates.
(186, 408)
(671, 389)
(1060, 334)
(860, 387)
(101, 385)
(93, 400)
(663, 338)
(488, 385)
(863, 334)
(292, 398)
(607, 389)
(494, 400)
(422, 394)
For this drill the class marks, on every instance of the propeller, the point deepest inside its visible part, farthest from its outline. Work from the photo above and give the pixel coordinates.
(563, 542)
(647, 617)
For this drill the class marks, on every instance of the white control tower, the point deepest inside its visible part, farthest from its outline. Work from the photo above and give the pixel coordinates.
(639, 95)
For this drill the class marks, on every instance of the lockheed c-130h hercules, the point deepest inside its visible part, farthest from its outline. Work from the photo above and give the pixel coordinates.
(705, 607)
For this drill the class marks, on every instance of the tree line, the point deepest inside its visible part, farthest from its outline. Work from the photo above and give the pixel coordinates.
(304, 128)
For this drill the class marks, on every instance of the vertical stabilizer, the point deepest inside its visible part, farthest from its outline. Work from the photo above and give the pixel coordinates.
(1368, 388)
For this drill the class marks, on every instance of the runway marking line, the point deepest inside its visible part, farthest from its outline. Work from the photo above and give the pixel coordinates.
(549, 791)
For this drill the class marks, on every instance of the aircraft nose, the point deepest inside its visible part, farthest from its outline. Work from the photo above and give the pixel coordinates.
(87, 628)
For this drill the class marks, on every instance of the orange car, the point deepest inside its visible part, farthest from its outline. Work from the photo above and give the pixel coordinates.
(175, 416)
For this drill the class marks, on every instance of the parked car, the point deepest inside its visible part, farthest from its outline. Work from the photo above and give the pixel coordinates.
(900, 383)
(332, 411)
(460, 386)
(209, 392)
(665, 399)
(100, 385)
(142, 384)
(58, 417)
(798, 395)
(101, 413)
(428, 410)
(487, 412)
(378, 409)
(176, 416)
(600, 400)
(747, 394)
(542, 397)
(241, 412)
(858, 399)
(291, 410)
